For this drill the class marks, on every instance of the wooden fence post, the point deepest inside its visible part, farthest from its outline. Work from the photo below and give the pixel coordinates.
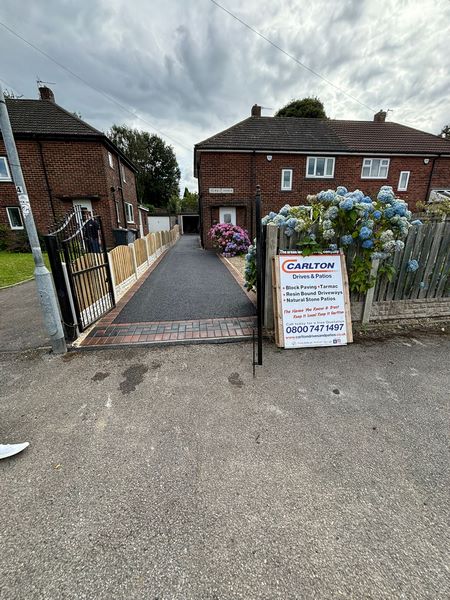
(370, 293)
(133, 258)
(111, 270)
(271, 251)
(147, 246)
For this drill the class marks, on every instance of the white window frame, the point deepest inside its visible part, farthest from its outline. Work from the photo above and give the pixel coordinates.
(403, 188)
(122, 171)
(283, 187)
(326, 159)
(8, 177)
(231, 210)
(129, 211)
(8, 208)
(367, 163)
(110, 160)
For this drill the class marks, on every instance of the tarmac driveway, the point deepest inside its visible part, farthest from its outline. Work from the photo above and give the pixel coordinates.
(21, 324)
(170, 473)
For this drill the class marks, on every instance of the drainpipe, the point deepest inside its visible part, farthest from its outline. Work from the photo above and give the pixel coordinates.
(431, 178)
(47, 183)
(253, 184)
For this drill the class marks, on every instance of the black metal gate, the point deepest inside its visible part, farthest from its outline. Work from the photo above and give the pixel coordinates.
(78, 257)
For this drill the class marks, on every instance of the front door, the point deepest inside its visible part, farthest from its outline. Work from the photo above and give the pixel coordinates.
(79, 206)
(227, 214)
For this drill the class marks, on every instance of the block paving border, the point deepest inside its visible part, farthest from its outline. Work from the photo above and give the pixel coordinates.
(107, 333)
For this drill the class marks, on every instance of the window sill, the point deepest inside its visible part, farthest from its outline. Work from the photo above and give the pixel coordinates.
(375, 178)
(286, 190)
(17, 228)
(5, 180)
(319, 176)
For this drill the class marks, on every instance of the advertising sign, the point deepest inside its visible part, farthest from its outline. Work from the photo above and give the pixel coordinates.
(312, 300)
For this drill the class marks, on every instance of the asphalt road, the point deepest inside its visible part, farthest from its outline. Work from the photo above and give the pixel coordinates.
(21, 323)
(170, 473)
(189, 283)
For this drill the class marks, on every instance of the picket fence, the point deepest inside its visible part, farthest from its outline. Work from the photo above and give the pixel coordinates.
(128, 263)
(421, 293)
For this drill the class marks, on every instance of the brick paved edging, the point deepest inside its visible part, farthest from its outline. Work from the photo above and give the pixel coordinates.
(190, 331)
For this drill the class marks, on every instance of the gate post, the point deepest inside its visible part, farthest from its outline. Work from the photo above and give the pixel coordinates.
(62, 292)
(271, 251)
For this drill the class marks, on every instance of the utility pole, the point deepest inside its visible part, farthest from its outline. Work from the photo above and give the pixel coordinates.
(44, 283)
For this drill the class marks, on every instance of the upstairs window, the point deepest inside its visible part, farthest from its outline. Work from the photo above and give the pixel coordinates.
(5, 175)
(122, 170)
(110, 160)
(286, 180)
(320, 166)
(14, 217)
(129, 212)
(403, 181)
(375, 168)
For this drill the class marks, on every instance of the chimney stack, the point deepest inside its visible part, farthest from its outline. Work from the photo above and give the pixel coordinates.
(380, 116)
(256, 111)
(46, 93)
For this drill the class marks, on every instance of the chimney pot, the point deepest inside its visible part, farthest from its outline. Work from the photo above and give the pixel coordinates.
(46, 93)
(380, 116)
(256, 111)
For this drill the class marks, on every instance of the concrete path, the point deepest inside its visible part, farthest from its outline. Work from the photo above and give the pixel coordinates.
(189, 283)
(21, 324)
(171, 473)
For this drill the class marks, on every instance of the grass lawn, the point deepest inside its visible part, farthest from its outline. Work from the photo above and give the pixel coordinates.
(16, 267)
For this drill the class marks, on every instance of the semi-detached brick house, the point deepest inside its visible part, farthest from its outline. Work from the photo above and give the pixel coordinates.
(66, 162)
(293, 157)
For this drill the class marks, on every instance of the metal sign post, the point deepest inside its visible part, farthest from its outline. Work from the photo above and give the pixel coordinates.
(259, 266)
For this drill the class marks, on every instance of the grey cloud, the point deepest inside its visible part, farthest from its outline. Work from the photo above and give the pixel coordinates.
(191, 70)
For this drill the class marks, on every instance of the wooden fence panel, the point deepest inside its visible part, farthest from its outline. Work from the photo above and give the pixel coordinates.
(141, 251)
(122, 263)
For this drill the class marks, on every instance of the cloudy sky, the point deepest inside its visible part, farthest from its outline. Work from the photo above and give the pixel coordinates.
(189, 70)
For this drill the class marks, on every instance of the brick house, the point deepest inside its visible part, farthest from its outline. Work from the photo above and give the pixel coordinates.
(66, 163)
(292, 157)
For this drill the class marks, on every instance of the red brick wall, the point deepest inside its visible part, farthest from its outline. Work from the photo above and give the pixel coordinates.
(242, 171)
(118, 197)
(74, 168)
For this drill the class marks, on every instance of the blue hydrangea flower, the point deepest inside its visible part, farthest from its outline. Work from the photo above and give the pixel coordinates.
(328, 234)
(399, 245)
(285, 210)
(366, 200)
(328, 196)
(341, 190)
(367, 244)
(412, 265)
(386, 195)
(346, 240)
(331, 212)
(377, 214)
(333, 247)
(346, 204)
(389, 212)
(365, 233)
(417, 223)
(400, 209)
(291, 223)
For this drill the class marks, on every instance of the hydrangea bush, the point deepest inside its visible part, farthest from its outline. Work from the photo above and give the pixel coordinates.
(230, 239)
(375, 229)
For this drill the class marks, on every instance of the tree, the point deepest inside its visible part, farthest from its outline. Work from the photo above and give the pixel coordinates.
(445, 131)
(311, 108)
(189, 200)
(158, 175)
